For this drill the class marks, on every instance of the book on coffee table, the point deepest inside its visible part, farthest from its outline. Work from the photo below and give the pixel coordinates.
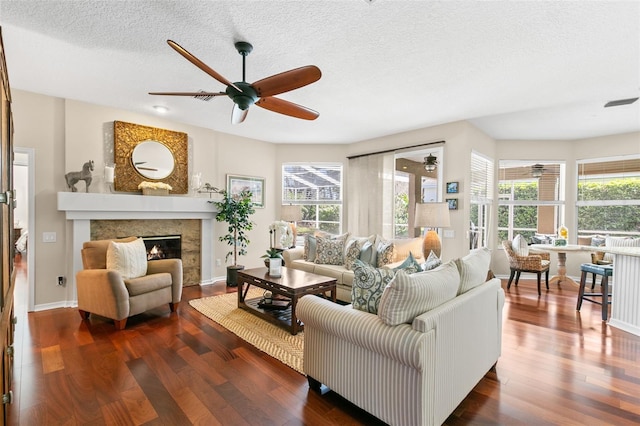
(275, 304)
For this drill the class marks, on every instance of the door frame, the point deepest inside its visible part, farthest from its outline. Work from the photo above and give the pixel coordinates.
(31, 227)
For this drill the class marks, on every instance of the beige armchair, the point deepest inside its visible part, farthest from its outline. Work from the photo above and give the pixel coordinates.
(105, 292)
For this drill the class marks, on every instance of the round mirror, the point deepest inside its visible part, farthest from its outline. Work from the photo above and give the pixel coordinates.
(153, 160)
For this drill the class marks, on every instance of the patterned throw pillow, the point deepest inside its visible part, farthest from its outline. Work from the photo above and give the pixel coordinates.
(409, 266)
(352, 252)
(408, 296)
(368, 285)
(130, 259)
(432, 262)
(519, 245)
(384, 253)
(329, 252)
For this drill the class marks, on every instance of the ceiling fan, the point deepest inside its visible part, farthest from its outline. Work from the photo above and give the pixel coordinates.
(537, 170)
(261, 92)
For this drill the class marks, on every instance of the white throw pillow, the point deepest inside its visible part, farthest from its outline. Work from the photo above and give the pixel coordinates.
(519, 245)
(130, 259)
(473, 269)
(408, 296)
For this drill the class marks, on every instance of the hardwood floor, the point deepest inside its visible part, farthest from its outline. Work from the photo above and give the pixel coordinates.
(557, 367)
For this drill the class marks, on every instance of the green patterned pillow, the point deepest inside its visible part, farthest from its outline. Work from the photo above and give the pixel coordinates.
(409, 266)
(432, 262)
(329, 252)
(384, 253)
(368, 285)
(352, 252)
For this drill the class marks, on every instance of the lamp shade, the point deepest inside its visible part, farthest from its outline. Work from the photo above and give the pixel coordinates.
(291, 213)
(432, 215)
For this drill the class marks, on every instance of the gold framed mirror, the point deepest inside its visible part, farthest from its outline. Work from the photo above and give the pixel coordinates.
(140, 151)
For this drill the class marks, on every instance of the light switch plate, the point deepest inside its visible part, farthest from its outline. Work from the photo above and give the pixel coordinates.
(449, 233)
(49, 237)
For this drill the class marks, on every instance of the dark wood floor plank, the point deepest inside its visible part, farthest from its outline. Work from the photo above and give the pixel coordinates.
(166, 407)
(558, 366)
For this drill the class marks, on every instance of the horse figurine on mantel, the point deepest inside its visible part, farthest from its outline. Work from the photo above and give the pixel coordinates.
(85, 175)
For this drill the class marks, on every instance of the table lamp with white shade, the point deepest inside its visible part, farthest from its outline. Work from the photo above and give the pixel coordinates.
(431, 216)
(291, 213)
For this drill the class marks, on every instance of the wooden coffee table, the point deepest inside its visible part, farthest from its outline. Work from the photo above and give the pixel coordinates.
(292, 285)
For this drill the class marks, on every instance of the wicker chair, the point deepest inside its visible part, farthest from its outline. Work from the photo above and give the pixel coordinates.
(536, 262)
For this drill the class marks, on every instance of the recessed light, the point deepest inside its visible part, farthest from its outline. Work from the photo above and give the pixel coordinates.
(161, 109)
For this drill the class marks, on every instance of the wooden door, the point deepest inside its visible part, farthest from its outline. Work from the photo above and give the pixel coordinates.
(6, 238)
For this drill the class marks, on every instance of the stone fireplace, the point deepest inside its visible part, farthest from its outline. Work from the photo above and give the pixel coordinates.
(96, 216)
(188, 229)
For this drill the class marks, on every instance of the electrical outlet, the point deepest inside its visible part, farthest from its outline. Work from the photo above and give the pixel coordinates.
(61, 281)
(218, 262)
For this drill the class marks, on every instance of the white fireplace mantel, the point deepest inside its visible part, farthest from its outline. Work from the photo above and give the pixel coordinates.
(82, 208)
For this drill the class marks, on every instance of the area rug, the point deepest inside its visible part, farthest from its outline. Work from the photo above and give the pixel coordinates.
(268, 338)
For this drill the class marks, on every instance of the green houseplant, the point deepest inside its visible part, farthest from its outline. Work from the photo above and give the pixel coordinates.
(272, 253)
(275, 260)
(235, 210)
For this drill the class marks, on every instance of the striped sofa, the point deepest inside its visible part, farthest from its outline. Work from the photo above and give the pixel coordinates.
(413, 373)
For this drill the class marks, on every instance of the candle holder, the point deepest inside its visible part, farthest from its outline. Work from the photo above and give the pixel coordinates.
(109, 176)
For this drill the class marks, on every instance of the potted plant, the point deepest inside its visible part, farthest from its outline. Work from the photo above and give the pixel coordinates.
(235, 209)
(273, 260)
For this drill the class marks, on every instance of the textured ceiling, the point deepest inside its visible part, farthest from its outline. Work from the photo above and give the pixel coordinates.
(517, 70)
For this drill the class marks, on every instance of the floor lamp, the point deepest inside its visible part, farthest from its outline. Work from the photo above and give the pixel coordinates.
(291, 213)
(431, 216)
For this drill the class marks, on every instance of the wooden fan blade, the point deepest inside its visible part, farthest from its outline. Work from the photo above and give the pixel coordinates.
(198, 63)
(287, 108)
(286, 81)
(188, 93)
(238, 115)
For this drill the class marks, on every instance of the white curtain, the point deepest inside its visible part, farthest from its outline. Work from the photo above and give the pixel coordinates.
(370, 195)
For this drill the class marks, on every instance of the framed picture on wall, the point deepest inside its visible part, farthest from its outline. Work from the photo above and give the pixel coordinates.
(452, 187)
(453, 203)
(236, 184)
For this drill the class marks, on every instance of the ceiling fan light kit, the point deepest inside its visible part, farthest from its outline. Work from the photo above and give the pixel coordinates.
(430, 163)
(260, 93)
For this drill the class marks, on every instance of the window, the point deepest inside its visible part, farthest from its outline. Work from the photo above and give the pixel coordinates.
(530, 198)
(318, 189)
(481, 200)
(608, 201)
(401, 207)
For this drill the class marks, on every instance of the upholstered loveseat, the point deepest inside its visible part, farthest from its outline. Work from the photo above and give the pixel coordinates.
(379, 251)
(414, 361)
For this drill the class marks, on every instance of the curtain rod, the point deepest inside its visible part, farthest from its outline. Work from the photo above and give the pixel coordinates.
(395, 149)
